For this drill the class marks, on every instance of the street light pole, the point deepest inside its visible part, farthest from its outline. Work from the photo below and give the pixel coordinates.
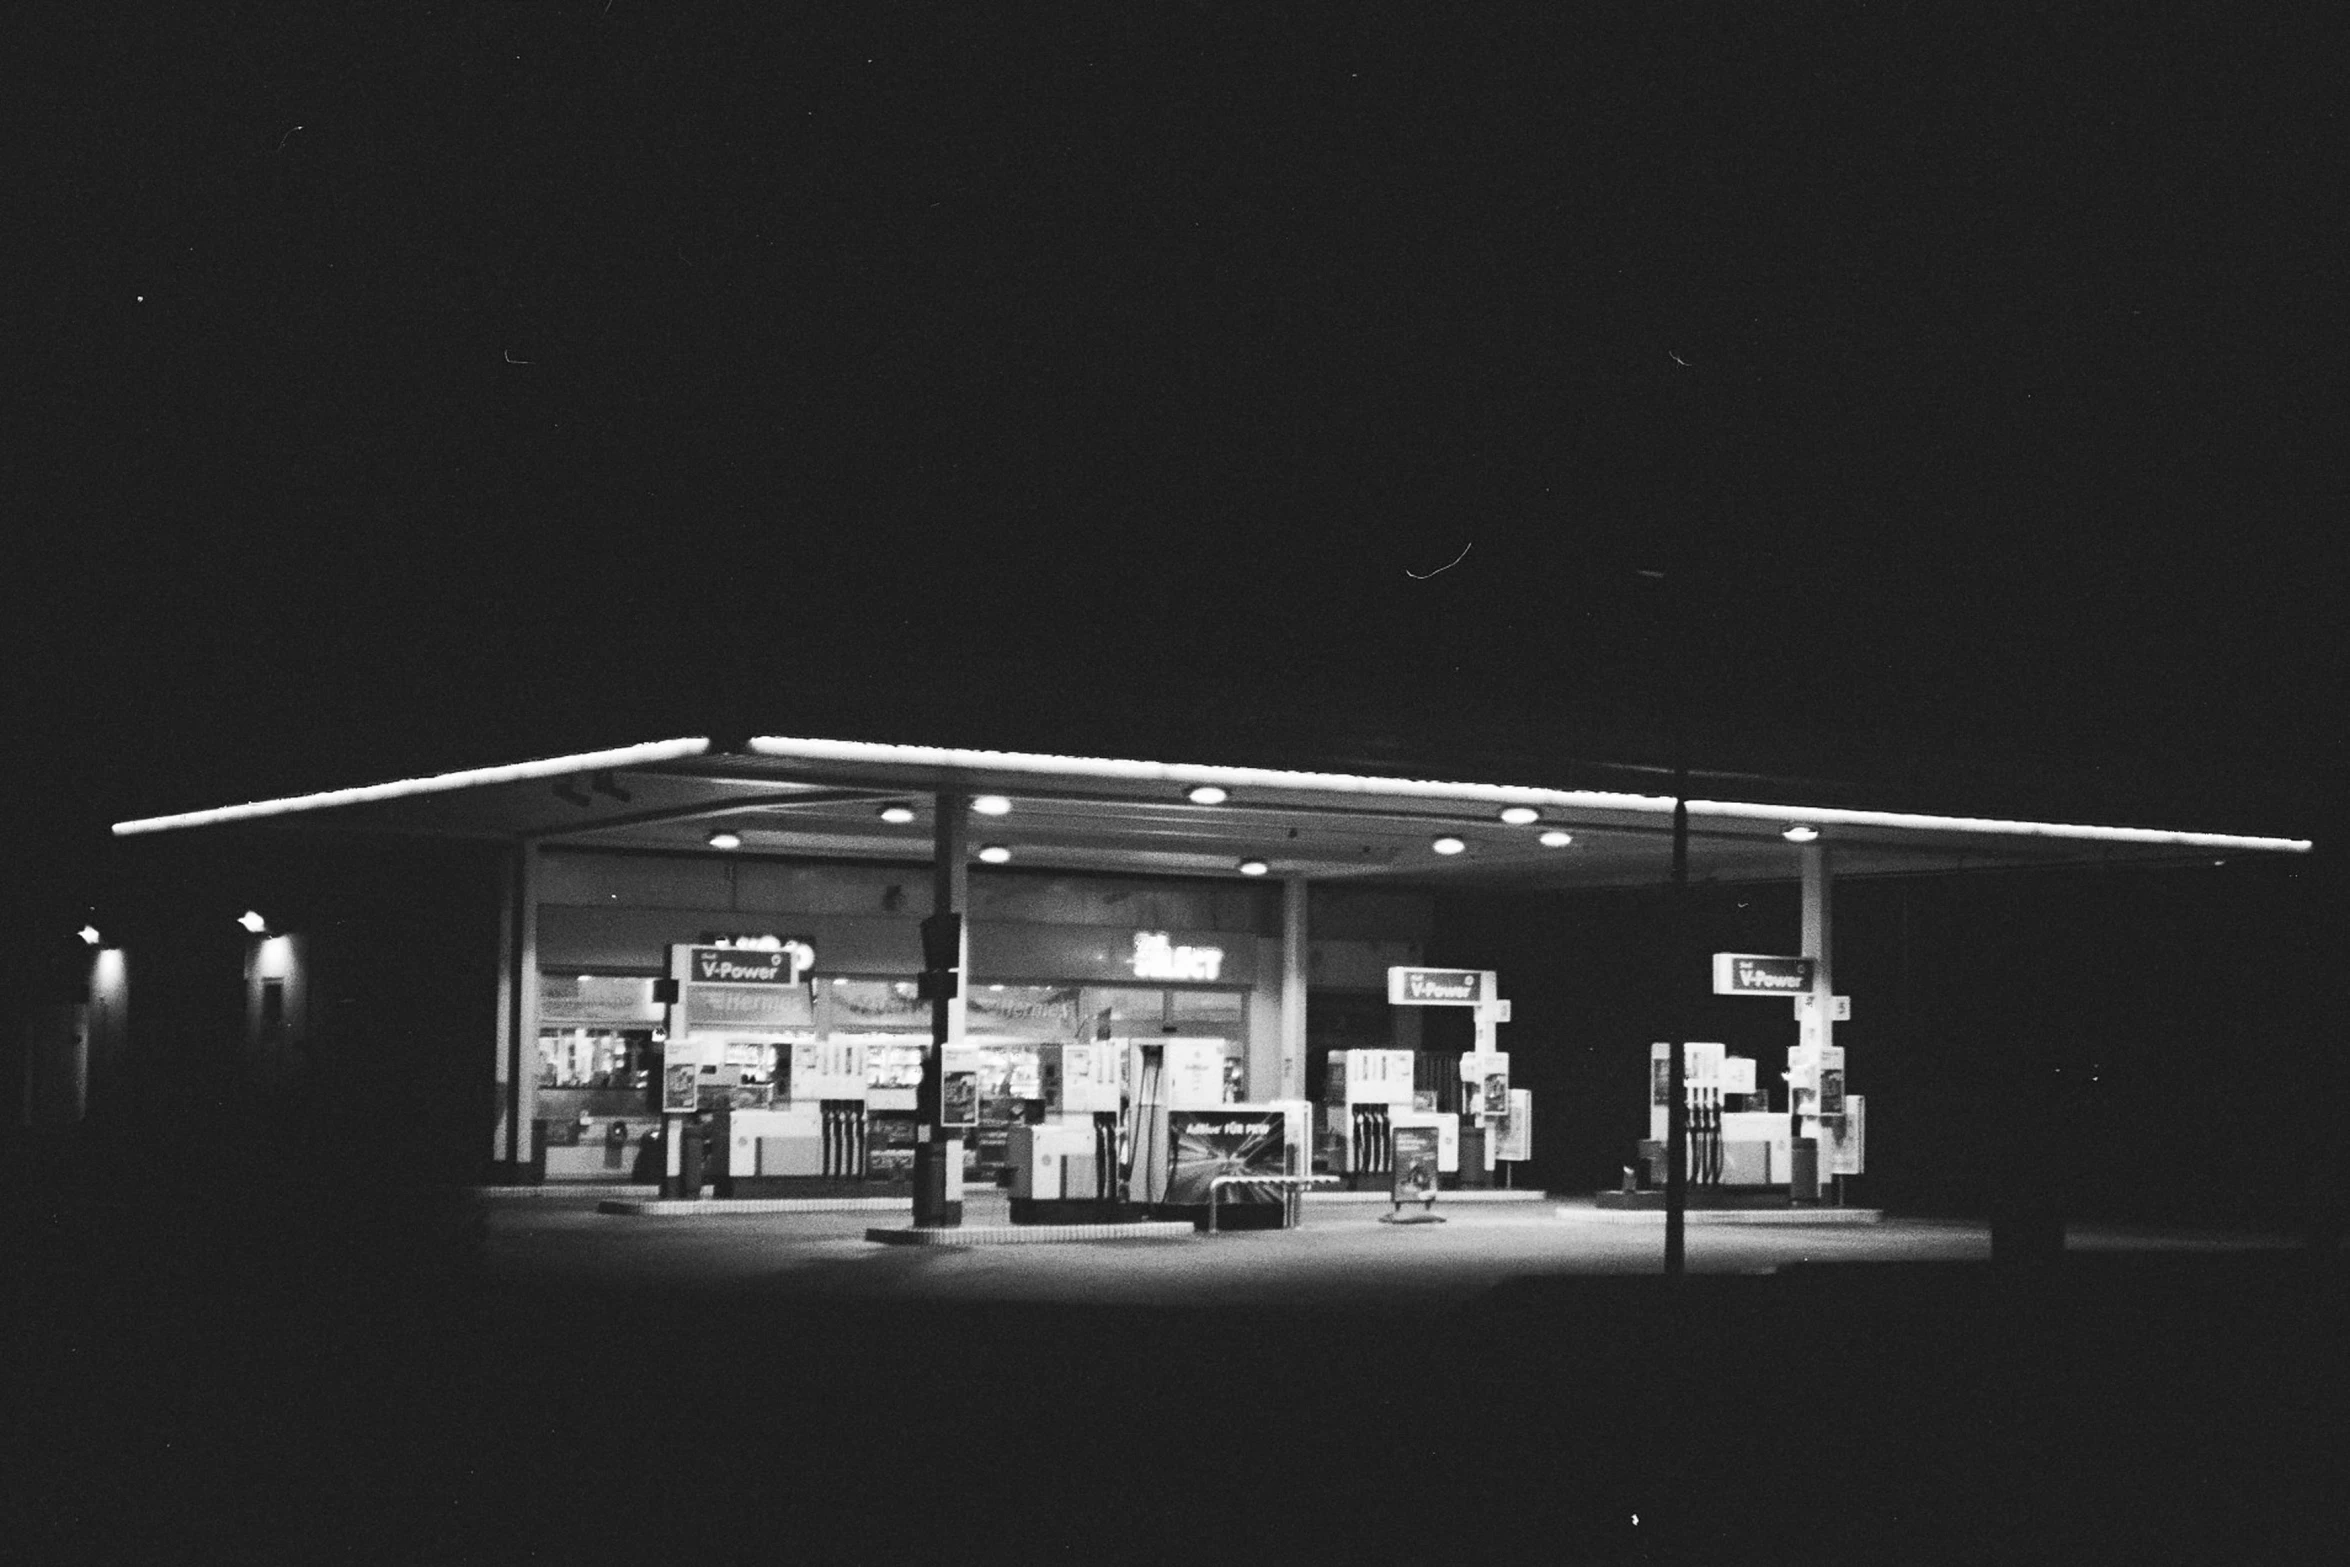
(1677, 954)
(1677, 1009)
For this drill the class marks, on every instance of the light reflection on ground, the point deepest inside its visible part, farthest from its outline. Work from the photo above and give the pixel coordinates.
(1340, 1256)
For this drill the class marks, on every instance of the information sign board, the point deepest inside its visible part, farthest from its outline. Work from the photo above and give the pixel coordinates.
(1758, 974)
(1439, 987)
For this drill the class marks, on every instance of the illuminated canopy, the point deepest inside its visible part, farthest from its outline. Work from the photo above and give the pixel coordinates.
(821, 798)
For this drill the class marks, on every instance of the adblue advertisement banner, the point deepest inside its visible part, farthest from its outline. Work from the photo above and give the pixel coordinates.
(1208, 1143)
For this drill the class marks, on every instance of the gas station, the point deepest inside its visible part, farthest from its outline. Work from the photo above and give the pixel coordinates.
(805, 972)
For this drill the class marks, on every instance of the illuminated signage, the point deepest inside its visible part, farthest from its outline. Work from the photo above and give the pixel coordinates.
(1439, 987)
(1752, 974)
(781, 964)
(1157, 957)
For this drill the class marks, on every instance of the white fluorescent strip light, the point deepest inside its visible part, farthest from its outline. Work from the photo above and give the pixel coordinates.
(1105, 768)
(439, 783)
(1101, 768)
(1829, 816)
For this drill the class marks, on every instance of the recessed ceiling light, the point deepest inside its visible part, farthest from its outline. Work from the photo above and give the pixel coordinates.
(1520, 815)
(991, 805)
(994, 853)
(1254, 867)
(1800, 833)
(1448, 846)
(900, 814)
(1206, 794)
(723, 839)
(1555, 839)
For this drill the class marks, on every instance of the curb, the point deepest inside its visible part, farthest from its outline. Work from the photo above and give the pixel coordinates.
(694, 1207)
(1443, 1199)
(1034, 1234)
(1719, 1216)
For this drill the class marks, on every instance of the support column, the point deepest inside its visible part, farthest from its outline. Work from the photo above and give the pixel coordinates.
(501, 1155)
(1817, 1031)
(938, 1156)
(520, 982)
(1295, 965)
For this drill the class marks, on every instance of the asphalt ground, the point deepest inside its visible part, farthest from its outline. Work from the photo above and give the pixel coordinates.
(295, 1379)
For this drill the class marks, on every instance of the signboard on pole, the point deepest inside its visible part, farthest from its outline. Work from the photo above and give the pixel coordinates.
(1514, 1133)
(1485, 1082)
(1440, 987)
(681, 1077)
(742, 987)
(1757, 974)
(1844, 1138)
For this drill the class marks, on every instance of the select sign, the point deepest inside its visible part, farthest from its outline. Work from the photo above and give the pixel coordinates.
(1439, 987)
(1752, 974)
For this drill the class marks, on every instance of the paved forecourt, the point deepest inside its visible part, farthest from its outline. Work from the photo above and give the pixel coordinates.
(1341, 1256)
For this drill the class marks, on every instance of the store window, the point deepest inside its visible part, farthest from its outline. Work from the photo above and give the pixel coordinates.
(598, 1058)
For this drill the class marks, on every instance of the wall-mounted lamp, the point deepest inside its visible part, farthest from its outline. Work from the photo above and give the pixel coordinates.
(723, 839)
(1520, 815)
(89, 935)
(994, 853)
(1254, 867)
(991, 805)
(1800, 833)
(1206, 794)
(253, 922)
(1448, 846)
(897, 815)
(1555, 839)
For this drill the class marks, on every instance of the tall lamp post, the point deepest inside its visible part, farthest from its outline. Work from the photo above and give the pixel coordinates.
(1675, 695)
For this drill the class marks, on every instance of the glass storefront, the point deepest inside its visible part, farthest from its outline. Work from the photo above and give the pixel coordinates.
(602, 1039)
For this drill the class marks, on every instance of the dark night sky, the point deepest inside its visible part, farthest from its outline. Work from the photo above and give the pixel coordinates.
(455, 382)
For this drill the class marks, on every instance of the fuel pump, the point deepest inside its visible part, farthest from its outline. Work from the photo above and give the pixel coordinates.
(1493, 1123)
(1163, 1075)
(812, 1139)
(1065, 1168)
(1365, 1092)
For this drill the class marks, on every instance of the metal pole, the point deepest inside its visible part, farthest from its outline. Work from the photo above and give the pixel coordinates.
(937, 1157)
(1673, 665)
(1677, 1071)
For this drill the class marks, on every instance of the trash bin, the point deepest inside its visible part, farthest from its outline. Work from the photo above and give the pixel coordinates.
(1804, 1170)
(536, 1175)
(689, 1161)
(1474, 1176)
